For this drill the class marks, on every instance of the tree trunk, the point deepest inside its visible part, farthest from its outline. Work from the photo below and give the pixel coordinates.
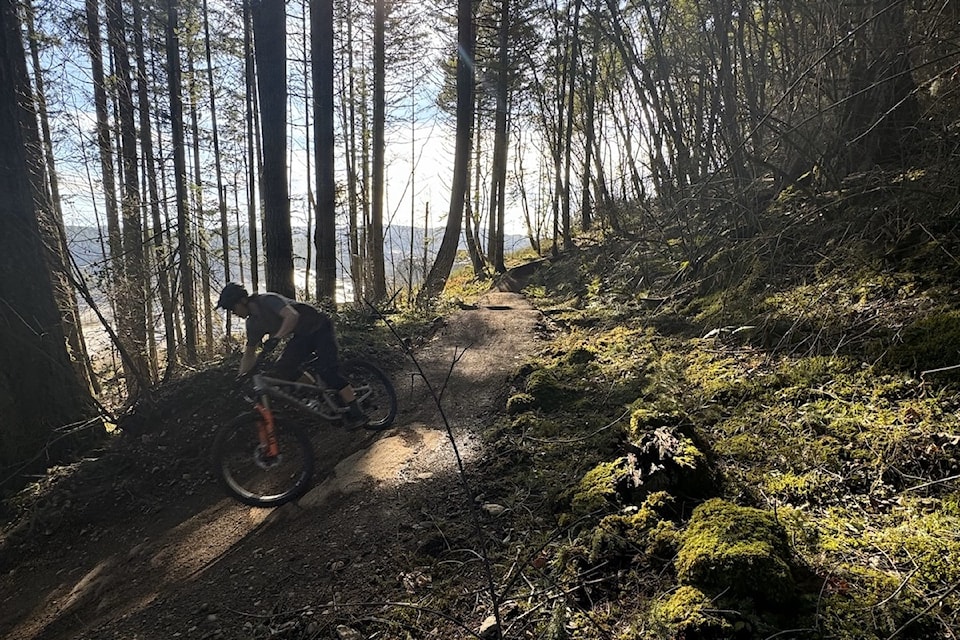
(218, 165)
(572, 71)
(881, 111)
(253, 175)
(133, 286)
(471, 225)
(55, 236)
(200, 213)
(114, 240)
(180, 180)
(498, 179)
(375, 234)
(443, 264)
(146, 146)
(590, 100)
(311, 199)
(350, 156)
(325, 237)
(363, 224)
(269, 28)
(38, 387)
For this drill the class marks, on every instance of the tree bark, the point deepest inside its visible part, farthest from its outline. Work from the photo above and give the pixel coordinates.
(180, 181)
(132, 286)
(501, 142)
(443, 264)
(325, 237)
(253, 174)
(146, 147)
(590, 101)
(351, 160)
(39, 389)
(375, 234)
(572, 72)
(270, 35)
(114, 239)
(201, 237)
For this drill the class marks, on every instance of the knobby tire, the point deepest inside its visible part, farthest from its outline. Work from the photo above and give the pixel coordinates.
(375, 392)
(247, 475)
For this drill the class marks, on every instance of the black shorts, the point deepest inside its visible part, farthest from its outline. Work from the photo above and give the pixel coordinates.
(321, 344)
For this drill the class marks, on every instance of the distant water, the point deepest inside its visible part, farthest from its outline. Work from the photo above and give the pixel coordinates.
(88, 251)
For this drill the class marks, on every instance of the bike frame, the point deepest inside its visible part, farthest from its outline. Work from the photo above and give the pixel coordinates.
(267, 387)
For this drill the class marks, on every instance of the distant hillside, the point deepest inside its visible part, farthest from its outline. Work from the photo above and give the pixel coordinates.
(88, 250)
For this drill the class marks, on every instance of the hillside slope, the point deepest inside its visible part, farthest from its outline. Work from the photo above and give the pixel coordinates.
(689, 437)
(140, 543)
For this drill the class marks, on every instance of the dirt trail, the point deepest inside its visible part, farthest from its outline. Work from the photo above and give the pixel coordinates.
(203, 566)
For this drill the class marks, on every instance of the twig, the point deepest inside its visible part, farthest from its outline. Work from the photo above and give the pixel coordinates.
(950, 368)
(786, 631)
(415, 607)
(268, 616)
(579, 438)
(940, 244)
(933, 604)
(931, 483)
(900, 587)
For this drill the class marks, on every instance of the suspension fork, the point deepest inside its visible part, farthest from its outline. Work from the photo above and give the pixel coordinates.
(266, 428)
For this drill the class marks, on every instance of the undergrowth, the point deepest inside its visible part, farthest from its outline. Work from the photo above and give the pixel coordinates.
(764, 447)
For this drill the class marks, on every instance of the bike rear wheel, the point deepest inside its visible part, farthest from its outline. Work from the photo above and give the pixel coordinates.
(246, 471)
(375, 393)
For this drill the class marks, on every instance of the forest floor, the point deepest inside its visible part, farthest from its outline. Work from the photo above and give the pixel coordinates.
(139, 542)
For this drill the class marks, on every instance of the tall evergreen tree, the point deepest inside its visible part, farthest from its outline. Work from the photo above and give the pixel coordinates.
(39, 389)
(321, 54)
(184, 237)
(133, 286)
(378, 289)
(443, 264)
(270, 43)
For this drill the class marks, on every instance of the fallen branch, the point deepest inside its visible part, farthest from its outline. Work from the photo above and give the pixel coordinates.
(932, 482)
(941, 369)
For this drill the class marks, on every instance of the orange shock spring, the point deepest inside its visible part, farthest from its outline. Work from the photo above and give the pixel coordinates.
(267, 430)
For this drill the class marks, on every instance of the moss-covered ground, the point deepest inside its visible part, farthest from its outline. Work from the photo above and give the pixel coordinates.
(766, 446)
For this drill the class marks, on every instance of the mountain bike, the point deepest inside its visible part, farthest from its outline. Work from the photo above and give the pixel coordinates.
(264, 460)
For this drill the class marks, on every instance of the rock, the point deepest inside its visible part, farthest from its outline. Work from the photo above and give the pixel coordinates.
(494, 509)
(346, 633)
(489, 628)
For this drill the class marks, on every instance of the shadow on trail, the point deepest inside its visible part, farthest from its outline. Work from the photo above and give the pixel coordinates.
(162, 551)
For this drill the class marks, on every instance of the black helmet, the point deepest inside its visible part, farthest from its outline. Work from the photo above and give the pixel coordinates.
(232, 294)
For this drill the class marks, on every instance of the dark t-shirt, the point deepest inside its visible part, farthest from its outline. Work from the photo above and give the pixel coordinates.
(265, 317)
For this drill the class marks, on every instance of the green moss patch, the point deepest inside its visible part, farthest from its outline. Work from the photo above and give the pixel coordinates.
(689, 613)
(737, 551)
(642, 534)
(549, 391)
(928, 343)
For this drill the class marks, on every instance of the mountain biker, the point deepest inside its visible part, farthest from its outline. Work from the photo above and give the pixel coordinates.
(310, 331)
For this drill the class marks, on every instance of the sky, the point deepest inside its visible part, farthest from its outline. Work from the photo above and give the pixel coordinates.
(408, 195)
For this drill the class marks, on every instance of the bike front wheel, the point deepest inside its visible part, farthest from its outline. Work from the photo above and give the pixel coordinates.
(248, 472)
(375, 393)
